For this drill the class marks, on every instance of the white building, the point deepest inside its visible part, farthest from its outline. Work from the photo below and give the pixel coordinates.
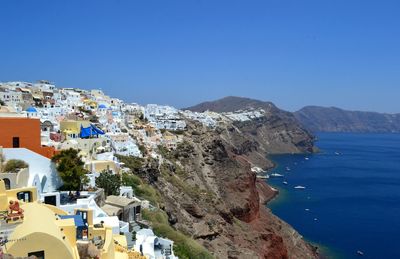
(164, 117)
(11, 97)
(153, 247)
(42, 172)
(85, 201)
(123, 144)
(72, 98)
(14, 85)
(32, 112)
(44, 86)
(245, 115)
(203, 117)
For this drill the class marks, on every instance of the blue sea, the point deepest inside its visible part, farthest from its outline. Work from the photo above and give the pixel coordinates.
(351, 200)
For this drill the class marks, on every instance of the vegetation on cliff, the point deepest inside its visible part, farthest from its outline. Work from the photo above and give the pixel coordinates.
(185, 246)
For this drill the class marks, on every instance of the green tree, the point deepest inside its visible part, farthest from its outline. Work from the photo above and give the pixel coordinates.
(14, 165)
(71, 170)
(133, 163)
(109, 182)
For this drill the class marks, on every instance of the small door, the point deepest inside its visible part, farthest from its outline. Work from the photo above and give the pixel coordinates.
(15, 142)
(24, 196)
(38, 254)
(7, 183)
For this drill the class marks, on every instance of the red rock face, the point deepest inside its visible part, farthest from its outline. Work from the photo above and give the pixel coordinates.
(263, 233)
(246, 204)
(233, 222)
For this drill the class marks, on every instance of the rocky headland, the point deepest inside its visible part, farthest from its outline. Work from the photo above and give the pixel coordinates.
(210, 193)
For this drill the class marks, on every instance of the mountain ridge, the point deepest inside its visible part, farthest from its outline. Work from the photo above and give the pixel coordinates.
(276, 131)
(230, 104)
(312, 118)
(334, 119)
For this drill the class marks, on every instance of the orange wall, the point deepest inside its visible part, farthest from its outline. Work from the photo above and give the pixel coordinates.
(28, 131)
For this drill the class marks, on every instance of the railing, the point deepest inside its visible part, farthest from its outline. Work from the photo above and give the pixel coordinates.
(167, 251)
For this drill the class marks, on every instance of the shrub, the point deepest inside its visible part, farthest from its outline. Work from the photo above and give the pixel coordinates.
(140, 188)
(13, 165)
(131, 180)
(179, 132)
(142, 149)
(133, 163)
(164, 152)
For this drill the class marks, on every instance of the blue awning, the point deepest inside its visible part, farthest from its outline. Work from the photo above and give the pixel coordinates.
(97, 130)
(90, 131)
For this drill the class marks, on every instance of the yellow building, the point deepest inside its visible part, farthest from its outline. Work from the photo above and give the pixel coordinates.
(72, 128)
(91, 103)
(102, 165)
(43, 234)
(46, 231)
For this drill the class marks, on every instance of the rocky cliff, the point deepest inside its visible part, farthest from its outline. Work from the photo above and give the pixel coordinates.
(272, 131)
(210, 193)
(322, 119)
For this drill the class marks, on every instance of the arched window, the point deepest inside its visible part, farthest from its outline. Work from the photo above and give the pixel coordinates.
(43, 183)
(7, 183)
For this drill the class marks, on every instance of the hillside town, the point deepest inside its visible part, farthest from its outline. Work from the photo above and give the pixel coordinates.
(49, 137)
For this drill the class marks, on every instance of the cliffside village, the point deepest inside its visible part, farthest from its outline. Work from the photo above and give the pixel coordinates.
(38, 121)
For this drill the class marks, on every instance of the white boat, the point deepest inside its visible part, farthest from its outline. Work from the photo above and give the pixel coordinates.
(257, 170)
(287, 168)
(307, 209)
(284, 182)
(337, 153)
(276, 175)
(306, 158)
(360, 252)
(299, 187)
(262, 176)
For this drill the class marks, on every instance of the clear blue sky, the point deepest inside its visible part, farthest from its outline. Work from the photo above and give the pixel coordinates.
(342, 53)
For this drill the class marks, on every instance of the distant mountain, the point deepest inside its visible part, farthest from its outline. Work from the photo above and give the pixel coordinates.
(331, 119)
(276, 131)
(232, 104)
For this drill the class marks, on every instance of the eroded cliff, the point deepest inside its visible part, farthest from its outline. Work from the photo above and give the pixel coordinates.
(210, 193)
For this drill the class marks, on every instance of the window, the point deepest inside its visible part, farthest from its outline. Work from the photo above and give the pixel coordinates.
(24, 196)
(15, 142)
(52, 200)
(37, 254)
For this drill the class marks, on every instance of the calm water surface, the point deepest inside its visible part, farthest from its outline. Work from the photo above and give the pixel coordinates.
(352, 198)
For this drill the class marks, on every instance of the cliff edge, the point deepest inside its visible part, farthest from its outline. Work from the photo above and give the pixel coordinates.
(210, 193)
